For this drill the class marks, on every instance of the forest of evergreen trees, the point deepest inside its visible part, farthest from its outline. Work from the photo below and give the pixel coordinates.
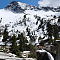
(20, 43)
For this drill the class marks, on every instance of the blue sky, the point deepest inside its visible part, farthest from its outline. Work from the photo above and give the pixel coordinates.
(51, 3)
(4, 3)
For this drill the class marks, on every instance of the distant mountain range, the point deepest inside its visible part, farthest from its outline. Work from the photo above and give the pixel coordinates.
(20, 7)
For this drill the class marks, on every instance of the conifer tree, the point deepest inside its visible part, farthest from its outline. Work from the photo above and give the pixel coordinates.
(23, 41)
(55, 31)
(13, 48)
(5, 36)
(49, 31)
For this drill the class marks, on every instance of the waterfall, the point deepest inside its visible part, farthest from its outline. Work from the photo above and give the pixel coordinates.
(49, 54)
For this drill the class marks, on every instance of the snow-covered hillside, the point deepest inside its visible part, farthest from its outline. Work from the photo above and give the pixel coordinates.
(16, 22)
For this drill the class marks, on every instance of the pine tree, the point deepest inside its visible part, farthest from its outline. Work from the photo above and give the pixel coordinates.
(55, 31)
(23, 41)
(13, 48)
(49, 31)
(5, 36)
(32, 50)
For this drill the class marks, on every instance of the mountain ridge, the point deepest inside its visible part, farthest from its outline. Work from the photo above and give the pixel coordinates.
(31, 21)
(21, 7)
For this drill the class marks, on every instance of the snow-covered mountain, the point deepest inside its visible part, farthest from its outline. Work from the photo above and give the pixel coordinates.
(16, 6)
(18, 17)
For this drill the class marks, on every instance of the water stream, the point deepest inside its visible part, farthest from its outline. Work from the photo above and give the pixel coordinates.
(49, 54)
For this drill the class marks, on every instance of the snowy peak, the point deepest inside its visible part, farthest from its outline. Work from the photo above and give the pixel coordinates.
(22, 5)
(19, 7)
(18, 4)
(14, 6)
